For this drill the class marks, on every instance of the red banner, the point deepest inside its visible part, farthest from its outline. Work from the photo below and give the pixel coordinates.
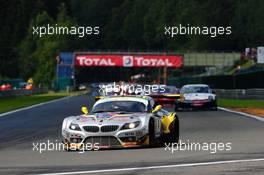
(120, 60)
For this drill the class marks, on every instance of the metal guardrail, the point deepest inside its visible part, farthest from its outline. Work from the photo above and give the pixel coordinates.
(240, 93)
(18, 92)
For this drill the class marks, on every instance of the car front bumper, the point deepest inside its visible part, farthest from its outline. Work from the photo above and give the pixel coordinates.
(119, 139)
(196, 104)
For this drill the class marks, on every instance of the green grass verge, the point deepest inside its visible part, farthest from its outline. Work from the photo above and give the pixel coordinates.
(237, 103)
(11, 103)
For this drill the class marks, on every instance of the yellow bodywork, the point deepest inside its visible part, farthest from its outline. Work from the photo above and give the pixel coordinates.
(85, 110)
(181, 98)
(98, 97)
(157, 108)
(166, 121)
(172, 95)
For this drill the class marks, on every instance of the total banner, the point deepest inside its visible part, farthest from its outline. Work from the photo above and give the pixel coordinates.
(120, 60)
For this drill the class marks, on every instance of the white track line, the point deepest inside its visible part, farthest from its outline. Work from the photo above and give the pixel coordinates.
(157, 167)
(242, 113)
(33, 106)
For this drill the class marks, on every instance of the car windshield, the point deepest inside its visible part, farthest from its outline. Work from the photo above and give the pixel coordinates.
(170, 89)
(120, 106)
(195, 89)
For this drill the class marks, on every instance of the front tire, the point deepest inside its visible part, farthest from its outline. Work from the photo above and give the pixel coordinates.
(214, 108)
(152, 137)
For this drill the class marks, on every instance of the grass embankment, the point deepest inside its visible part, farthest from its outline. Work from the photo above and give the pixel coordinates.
(255, 107)
(11, 103)
(236, 103)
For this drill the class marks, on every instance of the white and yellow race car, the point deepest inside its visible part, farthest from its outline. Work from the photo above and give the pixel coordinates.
(121, 121)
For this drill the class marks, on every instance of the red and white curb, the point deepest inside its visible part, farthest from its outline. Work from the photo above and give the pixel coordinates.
(243, 113)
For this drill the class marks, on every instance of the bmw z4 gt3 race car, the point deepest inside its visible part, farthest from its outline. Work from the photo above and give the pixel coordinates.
(121, 121)
(196, 96)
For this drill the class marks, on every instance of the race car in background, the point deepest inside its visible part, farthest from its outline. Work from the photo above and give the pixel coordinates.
(102, 90)
(120, 121)
(196, 96)
(118, 89)
(165, 95)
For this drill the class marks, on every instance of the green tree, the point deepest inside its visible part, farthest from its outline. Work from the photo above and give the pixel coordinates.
(37, 54)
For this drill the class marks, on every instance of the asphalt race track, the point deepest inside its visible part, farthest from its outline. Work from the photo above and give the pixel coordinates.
(19, 130)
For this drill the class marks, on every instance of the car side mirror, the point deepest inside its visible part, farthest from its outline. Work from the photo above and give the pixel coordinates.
(85, 110)
(157, 108)
(160, 114)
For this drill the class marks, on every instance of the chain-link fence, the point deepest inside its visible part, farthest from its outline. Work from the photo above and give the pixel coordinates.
(223, 59)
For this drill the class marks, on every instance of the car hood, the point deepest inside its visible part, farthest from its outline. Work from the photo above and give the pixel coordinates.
(109, 118)
(198, 96)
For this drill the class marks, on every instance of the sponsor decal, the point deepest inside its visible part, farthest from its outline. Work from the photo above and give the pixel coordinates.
(104, 115)
(129, 60)
(121, 115)
(121, 119)
(94, 61)
(87, 120)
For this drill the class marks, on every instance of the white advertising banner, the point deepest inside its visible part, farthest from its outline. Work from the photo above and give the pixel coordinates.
(260, 56)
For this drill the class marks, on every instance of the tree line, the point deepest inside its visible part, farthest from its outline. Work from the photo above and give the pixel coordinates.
(133, 25)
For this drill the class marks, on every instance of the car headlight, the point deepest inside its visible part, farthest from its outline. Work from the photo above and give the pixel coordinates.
(75, 127)
(131, 125)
